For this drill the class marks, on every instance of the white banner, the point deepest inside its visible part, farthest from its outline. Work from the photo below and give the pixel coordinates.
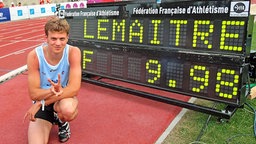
(33, 11)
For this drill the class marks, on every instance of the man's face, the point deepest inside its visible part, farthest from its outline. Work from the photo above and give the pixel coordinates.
(57, 41)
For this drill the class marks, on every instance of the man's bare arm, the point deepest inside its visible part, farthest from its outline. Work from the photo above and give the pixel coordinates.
(35, 92)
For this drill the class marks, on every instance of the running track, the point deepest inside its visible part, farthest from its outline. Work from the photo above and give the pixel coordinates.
(105, 116)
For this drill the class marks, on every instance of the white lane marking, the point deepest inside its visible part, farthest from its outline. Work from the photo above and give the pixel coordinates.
(19, 51)
(20, 41)
(15, 36)
(18, 38)
(173, 123)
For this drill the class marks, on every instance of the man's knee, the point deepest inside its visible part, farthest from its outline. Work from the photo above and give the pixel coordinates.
(68, 109)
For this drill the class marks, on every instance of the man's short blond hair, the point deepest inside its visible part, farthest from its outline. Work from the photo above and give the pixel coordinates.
(56, 24)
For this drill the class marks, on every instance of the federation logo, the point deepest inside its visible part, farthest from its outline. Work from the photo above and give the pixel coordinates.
(239, 9)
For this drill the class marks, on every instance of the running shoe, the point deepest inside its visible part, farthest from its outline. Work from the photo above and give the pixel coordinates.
(64, 129)
(64, 132)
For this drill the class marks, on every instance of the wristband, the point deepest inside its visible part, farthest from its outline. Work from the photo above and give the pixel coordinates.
(43, 104)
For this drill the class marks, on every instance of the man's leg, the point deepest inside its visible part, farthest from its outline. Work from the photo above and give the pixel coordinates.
(66, 110)
(39, 131)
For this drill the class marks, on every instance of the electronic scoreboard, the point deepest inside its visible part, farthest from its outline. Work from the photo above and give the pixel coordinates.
(195, 48)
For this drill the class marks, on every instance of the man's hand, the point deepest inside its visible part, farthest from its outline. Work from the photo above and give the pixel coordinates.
(32, 111)
(56, 87)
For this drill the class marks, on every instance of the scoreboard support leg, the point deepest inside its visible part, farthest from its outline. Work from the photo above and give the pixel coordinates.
(222, 114)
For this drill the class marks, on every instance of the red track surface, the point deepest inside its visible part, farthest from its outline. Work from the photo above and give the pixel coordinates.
(16, 40)
(105, 116)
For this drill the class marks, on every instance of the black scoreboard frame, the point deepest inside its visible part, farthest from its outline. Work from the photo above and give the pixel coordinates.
(194, 48)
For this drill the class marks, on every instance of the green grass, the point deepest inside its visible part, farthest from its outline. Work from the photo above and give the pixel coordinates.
(253, 46)
(237, 130)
